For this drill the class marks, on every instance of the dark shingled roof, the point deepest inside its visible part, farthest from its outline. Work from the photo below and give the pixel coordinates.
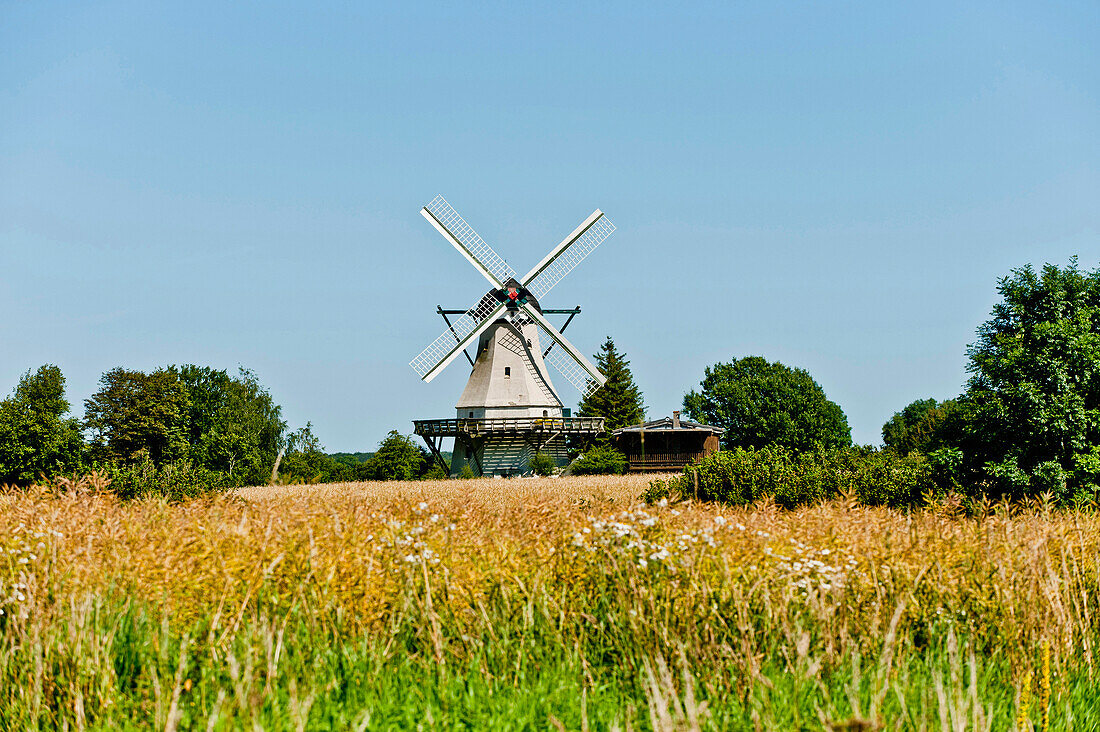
(665, 425)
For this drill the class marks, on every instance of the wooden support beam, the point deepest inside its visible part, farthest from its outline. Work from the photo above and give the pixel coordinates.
(572, 314)
(444, 313)
(435, 451)
(472, 452)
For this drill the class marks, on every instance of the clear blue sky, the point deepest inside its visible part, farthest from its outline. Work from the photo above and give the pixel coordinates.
(834, 185)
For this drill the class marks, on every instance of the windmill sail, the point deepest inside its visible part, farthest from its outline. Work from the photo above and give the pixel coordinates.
(452, 341)
(570, 370)
(559, 262)
(570, 362)
(463, 238)
(567, 255)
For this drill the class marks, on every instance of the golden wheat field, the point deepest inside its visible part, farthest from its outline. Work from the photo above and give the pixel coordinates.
(569, 597)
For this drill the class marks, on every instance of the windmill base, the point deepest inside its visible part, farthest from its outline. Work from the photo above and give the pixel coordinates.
(504, 456)
(504, 446)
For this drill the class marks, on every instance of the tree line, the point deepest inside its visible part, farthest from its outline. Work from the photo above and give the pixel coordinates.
(1027, 423)
(1028, 420)
(177, 430)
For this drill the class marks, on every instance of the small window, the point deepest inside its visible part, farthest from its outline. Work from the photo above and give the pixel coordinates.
(471, 415)
(545, 413)
(508, 371)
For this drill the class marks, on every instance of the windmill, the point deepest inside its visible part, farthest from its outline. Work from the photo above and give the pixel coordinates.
(509, 409)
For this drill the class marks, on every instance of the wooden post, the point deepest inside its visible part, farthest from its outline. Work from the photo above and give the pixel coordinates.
(275, 469)
(695, 476)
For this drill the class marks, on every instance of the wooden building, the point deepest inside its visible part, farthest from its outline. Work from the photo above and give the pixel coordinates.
(666, 444)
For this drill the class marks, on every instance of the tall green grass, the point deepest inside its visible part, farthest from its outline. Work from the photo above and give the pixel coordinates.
(114, 665)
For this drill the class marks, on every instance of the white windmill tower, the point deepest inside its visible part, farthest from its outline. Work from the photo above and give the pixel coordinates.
(509, 409)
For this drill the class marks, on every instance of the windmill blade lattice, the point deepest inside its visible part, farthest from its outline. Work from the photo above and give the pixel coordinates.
(570, 257)
(565, 365)
(573, 366)
(475, 247)
(455, 338)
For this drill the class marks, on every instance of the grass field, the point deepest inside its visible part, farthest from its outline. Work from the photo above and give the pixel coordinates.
(539, 604)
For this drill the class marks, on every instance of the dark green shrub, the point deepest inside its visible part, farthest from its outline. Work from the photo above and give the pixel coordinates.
(669, 490)
(946, 466)
(177, 481)
(743, 476)
(600, 460)
(882, 478)
(398, 458)
(542, 464)
(435, 472)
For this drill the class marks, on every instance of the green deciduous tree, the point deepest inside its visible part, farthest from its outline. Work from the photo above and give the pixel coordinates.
(923, 426)
(397, 458)
(36, 438)
(135, 413)
(761, 403)
(305, 460)
(233, 424)
(619, 401)
(1033, 401)
(220, 423)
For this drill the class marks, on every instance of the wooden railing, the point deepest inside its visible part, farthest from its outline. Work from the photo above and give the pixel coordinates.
(565, 425)
(654, 460)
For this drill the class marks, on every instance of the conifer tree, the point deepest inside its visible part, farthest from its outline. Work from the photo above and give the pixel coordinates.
(619, 401)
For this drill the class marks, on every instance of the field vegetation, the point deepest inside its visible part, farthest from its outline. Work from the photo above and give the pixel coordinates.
(539, 604)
